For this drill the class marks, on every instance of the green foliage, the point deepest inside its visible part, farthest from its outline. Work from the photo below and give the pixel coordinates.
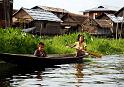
(58, 44)
(107, 46)
(16, 41)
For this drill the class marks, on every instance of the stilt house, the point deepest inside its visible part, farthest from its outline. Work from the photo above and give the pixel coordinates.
(44, 21)
(73, 22)
(117, 23)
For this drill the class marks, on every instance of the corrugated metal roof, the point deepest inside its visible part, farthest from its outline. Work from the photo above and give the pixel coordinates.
(102, 8)
(115, 19)
(52, 9)
(38, 14)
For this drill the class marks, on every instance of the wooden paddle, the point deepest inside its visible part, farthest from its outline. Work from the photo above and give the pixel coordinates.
(95, 54)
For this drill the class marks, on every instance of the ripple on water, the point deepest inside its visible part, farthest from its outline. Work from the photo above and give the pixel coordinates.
(102, 72)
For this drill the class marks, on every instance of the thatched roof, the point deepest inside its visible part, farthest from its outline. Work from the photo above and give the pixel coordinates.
(76, 18)
(104, 23)
(51, 9)
(114, 18)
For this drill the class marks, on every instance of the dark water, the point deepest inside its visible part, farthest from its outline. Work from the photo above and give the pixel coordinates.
(104, 72)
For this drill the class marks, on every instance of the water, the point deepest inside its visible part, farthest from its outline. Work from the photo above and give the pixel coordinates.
(107, 71)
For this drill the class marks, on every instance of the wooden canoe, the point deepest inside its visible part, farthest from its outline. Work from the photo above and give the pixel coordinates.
(31, 60)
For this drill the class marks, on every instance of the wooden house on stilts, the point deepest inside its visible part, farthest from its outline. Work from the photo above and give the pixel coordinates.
(98, 27)
(44, 21)
(116, 22)
(120, 13)
(73, 22)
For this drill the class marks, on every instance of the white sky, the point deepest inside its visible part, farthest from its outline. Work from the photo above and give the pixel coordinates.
(70, 5)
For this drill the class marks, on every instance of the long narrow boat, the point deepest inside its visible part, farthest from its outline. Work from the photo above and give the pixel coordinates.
(31, 60)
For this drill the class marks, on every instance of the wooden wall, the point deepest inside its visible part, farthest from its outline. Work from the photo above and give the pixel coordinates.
(49, 28)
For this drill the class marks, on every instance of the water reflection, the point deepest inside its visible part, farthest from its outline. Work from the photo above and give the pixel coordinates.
(39, 75)
(107, 71)
(79, 74)
(27, 78)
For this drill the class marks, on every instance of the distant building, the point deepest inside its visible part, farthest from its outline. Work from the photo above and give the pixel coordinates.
(45, 22)
(6, 11)
(95, 12)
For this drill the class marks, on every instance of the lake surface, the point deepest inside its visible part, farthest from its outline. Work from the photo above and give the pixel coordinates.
(107, 71)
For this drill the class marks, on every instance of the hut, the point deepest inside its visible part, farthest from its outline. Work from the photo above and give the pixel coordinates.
(98, 27)
(6, 9)
(73, 22)
(45, 22)
(103, 27)
(117, 23)
(97, 11)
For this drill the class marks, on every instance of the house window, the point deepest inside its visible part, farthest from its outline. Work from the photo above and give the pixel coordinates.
(44, 25)
(95, 15)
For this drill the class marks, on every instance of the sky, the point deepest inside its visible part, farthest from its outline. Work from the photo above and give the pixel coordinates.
(70, 5)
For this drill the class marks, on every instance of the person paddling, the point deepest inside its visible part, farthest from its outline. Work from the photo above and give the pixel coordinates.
(80, 46)
(40, 52)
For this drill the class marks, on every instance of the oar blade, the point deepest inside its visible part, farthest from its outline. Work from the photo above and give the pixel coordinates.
(95, 54)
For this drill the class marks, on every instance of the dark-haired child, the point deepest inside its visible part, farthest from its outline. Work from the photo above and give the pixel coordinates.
(40, 52)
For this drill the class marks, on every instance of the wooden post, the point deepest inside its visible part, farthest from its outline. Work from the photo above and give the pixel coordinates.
(40, 29)
(122, 24)
(116, 30)
(7, 12)
(4, 10)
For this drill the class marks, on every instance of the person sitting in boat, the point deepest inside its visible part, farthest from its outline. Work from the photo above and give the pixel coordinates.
(80, 46)
(40, 52)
